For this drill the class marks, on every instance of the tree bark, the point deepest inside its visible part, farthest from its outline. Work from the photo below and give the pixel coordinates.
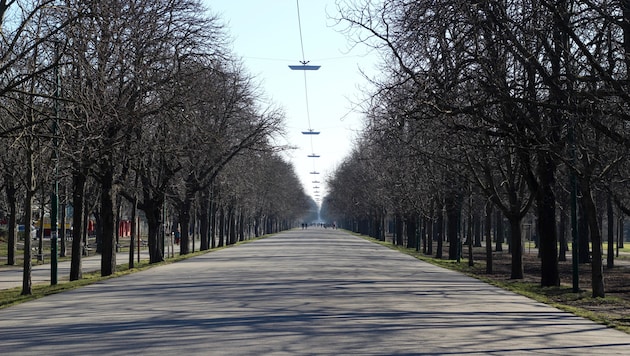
(134, 231)
(231, 226)
(184, 223)
(562, 237)
(546, 211)
(204, 223)
(516, 246)
(78, 204)
(452, 218)
(62, 231)
(422, 233)
(584, 255)
(399, 230)
(411, 231)
(257, 226)
(621, 234)
(597, 270)
(193, 229)
(241, 226)
(153, 214)
(376, 227)
(499, 231)
(27, 283)
(469, 241)
(477, 228)
(221, 230)
(439, 233)
(213, 225)
(429, 238)
(108, 256)
(488, 233)
(11, 194)
(610, 215)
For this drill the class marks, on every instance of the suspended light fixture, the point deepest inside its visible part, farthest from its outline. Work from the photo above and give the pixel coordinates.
(304, 65)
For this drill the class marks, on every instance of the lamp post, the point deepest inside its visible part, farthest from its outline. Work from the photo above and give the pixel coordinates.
(575, 237)
(54, 200)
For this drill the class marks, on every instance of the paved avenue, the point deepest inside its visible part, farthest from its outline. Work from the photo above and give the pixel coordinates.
(313, 292)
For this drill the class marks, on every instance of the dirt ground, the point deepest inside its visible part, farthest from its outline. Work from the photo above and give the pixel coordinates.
(613, 310)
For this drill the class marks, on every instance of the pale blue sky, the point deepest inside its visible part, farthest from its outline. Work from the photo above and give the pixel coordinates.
(266, 35)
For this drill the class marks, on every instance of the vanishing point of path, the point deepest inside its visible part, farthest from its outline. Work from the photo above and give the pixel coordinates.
(313, 292)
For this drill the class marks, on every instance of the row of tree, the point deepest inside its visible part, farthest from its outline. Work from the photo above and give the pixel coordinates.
(519, 106)
(136, 103)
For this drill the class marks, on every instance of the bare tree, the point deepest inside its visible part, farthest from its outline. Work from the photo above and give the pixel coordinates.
(227, 120)
(27, 57)
(125, 52)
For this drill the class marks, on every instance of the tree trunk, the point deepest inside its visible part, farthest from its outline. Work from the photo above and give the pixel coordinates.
(376, 227)
(213, 225)
(382, 225)
(241, 226)
(499, 231)
(153, 214)
(621, 236)
(221, 224)
(399, 230)
(584, 255)
(162, 229)
(410, 221)
(439, 233)
(193, 229)
(610, 254)
(546, 211)
(516, 245)
(562, 237)
(184, 223)
(471, 228)
(84, 231)
(429, 238)
(597, 270)
(204, 222)
(98, 225)
(108, 257)
(420, 236)
(40, 235)
(117, 225)
(452, 218)
(488, 233)
(257, 226)
(134, 231)
(62, 231)
(27, 283)
(231, 226)
(273, 225)
(477, 228)
(78, 206)
(11, 193)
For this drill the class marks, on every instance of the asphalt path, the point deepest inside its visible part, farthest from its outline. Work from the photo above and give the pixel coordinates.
(313, 292)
